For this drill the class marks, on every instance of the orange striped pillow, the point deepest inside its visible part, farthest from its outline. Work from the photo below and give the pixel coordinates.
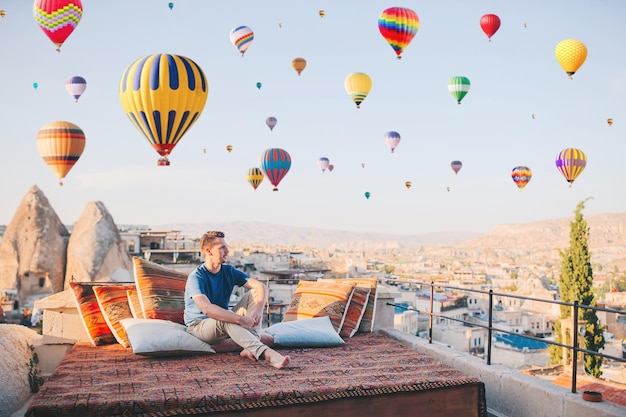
(113, 302)
(318, 299)
(161, 291)
(96, 326)
(355, 311)
(367, 321)
(134, 304)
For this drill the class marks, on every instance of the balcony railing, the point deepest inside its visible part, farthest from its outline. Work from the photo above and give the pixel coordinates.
(574, 348)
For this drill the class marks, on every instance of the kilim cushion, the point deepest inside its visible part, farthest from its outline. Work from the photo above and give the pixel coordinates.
(97, 329)
(317, 299)
(161, 290)
(355, 311)
(134, 304)
(367, 321)
(113, 302)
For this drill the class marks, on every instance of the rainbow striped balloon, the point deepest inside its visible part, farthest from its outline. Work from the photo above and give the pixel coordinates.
(275, 164)
(571, 162)
(398, 25)
(521, 175)
(242, 37)
(163, 96)
(58, 18)
(60, 144)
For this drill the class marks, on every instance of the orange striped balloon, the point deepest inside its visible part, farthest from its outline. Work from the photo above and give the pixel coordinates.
(60, 144)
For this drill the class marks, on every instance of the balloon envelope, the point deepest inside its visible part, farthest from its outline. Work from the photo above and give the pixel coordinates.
(521, 175)
(163, 95)
(398, 25)
(571, 54)
(392, 139)
(298, 64)
(229, 148)
(275, 163)
(271, 122)
(456, 166)
(259, 85)
(571, 162)
(609, 122)
(331, 167)
(490, 23)
(458, 86)
(407, 184)
(76, 86)
(255, 177)
(58, 18)
(367, 195)
(322, 13)
(358, 86)
(323, 163)
(170, 5)
(242, 37)
(60, 144)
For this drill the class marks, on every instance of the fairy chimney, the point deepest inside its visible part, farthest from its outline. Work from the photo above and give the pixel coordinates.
(96, 251)
(32, 252)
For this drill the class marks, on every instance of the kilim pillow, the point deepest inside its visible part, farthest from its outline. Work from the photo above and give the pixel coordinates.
(153, 337)
(96, 326)
(367, 321)
(161, 291)
(134, 304)
(317, 299)
(355, 311)
(113, 302)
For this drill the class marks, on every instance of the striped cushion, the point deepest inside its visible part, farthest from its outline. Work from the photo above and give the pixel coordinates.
(113, 302)
(318, 299)
(96, 326)
(355, 311)
(161, 291)
(367, 322)
(134, 304)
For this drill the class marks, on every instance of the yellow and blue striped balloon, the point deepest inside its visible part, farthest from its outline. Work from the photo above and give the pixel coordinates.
(571, 162)
(163, 95)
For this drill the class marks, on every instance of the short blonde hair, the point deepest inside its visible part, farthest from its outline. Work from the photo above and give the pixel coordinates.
(208, 238)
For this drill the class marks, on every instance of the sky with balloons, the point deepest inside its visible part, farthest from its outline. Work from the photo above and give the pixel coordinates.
(521, 110)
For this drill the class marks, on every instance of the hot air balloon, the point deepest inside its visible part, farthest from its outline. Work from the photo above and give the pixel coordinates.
(322, 13)
(571, 54)
(170, 5)
(35, 86)
(255, 177)
(241, 37)
(76, 86)
(3, 13)
(358, 86)
(398, 25)
(298, 64)
(571, 162)
(367, 195)
(60, 144)
(458, 86)
(392, 139)
(259, 85)
(533, 115)
(609, 122)
(408, 184)
(271, 122)
(363, 165)
(323, 163)
(58, 18)
(490, 23)
(331, 167)
(521, 175)
(229, 148)
(163, 95)
(456, 166)
(275, 164)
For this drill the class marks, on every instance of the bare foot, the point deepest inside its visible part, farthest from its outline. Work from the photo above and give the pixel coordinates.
(275, 359)
(247, 354)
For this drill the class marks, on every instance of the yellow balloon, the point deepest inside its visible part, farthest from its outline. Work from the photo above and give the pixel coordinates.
(229, 148)
(322, 13)
(571, 54)
(358, 86)
(60, 144)
(298, 64)
(408, 184)
(610, 122)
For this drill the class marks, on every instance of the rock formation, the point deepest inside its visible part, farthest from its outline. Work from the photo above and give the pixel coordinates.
(95, 251)
(32, 252)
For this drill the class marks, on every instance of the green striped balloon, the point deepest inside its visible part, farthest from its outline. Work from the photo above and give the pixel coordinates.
(459, 86)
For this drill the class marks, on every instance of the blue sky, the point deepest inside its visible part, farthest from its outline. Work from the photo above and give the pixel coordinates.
(513, 77)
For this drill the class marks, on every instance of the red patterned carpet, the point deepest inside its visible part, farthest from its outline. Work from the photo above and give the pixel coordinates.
(112, 381)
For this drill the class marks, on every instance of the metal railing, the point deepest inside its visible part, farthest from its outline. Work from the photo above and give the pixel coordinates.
(576, 306)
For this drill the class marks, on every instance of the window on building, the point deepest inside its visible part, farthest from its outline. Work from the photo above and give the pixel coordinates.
(42, 282)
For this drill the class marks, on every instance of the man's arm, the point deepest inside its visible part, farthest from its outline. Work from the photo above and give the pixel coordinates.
(261, 294)
(218, 313)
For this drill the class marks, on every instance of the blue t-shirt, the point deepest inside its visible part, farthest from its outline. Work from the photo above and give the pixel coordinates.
(217, 287)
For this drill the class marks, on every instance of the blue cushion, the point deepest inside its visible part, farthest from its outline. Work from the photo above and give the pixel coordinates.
(314, 332)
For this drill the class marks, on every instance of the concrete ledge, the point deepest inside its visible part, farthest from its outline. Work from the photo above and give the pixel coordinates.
(508, 392)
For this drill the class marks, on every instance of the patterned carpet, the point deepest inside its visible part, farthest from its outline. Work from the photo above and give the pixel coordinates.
(111, 381)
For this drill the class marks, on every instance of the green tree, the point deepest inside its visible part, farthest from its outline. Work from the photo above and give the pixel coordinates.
(389, 269)
(575, 282)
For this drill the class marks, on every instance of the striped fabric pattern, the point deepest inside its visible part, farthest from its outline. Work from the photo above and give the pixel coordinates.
(355, 311)
(96, 327)
(134, 304)
(113, 302)
(161, 290)
(367, 321)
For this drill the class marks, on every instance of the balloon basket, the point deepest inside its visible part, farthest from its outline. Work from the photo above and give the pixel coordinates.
(163, 162)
